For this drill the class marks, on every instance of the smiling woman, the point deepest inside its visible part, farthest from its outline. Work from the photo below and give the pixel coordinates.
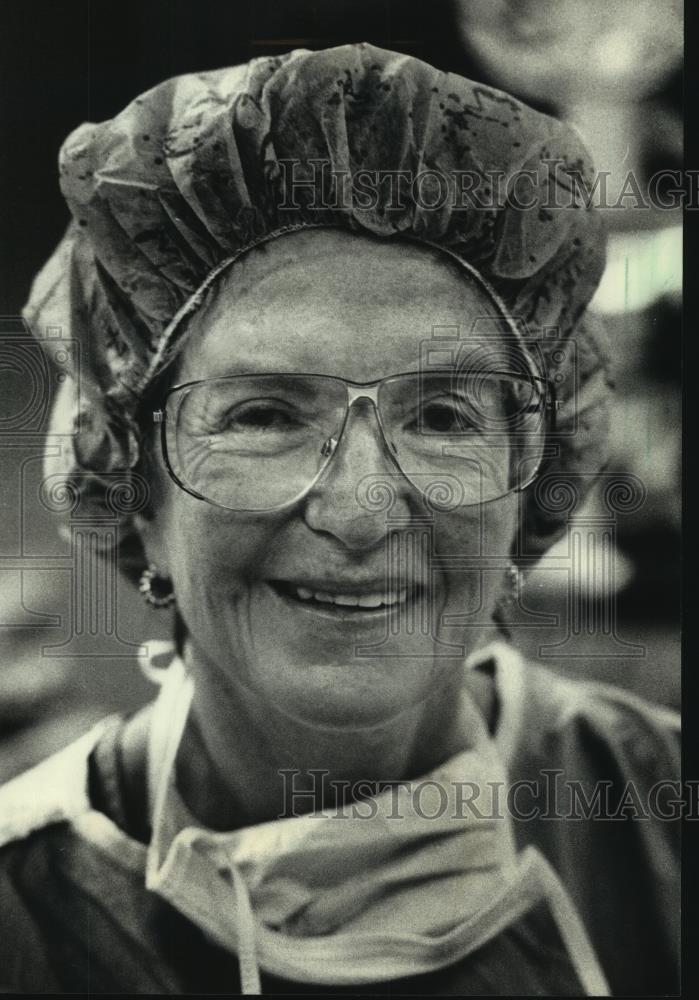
(266, 593)
(336, 414)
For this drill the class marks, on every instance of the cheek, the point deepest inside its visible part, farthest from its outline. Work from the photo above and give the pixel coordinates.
(476, 532)
(207, 549)
(471, 548)
(213, 552)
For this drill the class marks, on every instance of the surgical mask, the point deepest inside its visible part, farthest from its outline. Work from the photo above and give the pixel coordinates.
(409, 881)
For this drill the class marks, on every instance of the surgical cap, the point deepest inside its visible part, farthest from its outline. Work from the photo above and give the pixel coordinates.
(166, 195)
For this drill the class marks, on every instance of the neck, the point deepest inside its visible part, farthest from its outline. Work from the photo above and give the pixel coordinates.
(242, 761)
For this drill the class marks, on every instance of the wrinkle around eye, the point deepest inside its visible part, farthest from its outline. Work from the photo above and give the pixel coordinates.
(197, 458)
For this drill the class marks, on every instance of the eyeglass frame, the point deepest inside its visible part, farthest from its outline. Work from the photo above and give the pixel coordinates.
(551, 406)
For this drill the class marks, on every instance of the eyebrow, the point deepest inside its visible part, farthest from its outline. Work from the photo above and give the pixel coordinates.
(298, 381)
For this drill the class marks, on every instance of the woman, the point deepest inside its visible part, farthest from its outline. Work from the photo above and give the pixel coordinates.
(332, 357)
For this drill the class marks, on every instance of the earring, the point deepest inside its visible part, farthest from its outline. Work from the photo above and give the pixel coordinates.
(156, 589)
(509, 599)
(512, 576)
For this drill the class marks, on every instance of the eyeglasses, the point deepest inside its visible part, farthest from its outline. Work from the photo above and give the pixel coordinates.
(260, 442)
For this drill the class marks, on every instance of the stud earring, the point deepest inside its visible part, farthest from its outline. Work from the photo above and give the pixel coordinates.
(508, 600)
(512, 576)
(156, 589)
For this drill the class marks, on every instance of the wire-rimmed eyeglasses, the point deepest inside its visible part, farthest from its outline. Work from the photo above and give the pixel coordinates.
(260, 442)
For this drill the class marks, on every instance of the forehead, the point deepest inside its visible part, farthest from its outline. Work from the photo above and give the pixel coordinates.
(336, 304)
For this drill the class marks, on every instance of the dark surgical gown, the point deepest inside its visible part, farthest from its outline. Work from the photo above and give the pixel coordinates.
(593, 780)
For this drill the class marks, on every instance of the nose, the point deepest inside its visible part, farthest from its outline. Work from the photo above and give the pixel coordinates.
(342, 503)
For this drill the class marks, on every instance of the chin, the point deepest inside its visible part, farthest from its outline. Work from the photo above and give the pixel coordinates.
(324, 700)
(340, 667)
(352, 692)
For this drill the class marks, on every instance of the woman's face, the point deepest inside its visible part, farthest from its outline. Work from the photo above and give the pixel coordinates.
(336, 304)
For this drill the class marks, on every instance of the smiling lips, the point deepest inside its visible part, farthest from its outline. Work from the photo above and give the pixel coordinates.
(351, 600)
(373, 595)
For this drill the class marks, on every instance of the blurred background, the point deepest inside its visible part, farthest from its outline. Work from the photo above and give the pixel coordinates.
(611, 67)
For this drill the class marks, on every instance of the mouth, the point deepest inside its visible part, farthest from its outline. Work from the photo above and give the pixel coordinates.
(346, 601)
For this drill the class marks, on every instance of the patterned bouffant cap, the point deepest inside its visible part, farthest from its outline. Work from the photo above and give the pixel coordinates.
(166, 195)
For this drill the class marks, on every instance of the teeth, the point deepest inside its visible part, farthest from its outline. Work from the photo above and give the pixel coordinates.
(372, 601)
(352, 600)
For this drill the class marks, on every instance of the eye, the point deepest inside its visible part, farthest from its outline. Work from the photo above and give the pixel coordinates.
(259, 416)
(442, 415)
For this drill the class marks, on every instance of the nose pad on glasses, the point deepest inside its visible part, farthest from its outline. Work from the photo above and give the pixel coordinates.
(360, 410)
(329, 446)
(344, 500)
